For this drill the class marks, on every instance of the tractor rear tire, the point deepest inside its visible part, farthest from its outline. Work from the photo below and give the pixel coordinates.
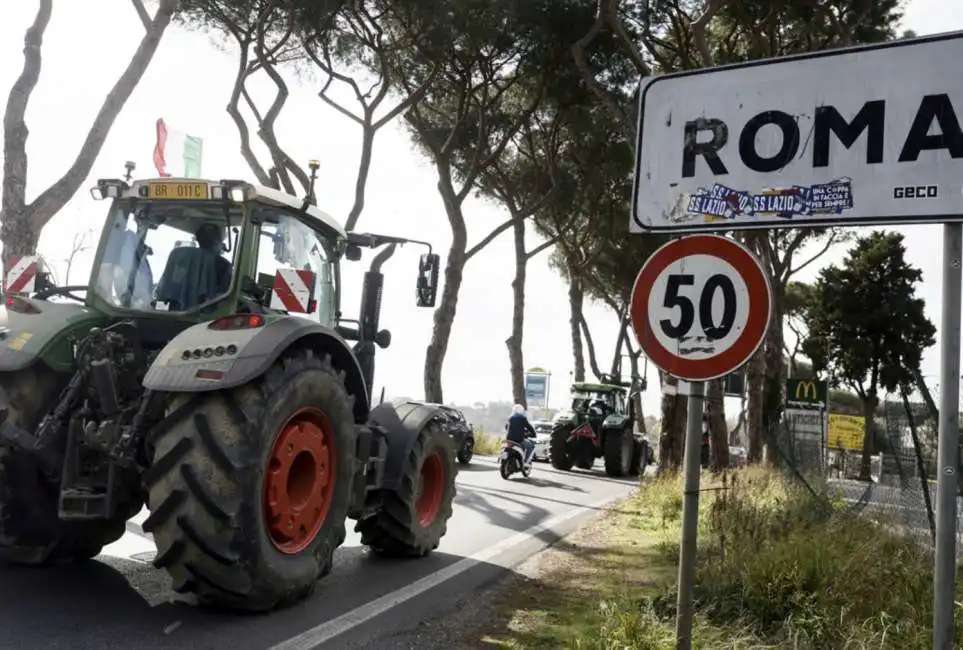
(638, 456)
(250, 487)
(31, 532)
(617, 449)
(558, 452)
(412, 520)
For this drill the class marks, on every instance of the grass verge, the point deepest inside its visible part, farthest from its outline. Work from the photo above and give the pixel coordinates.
(779, 568)
(487, 445)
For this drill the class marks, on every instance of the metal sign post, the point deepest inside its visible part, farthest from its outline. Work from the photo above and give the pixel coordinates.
(944, 571)
(690, 516)
(734, 148)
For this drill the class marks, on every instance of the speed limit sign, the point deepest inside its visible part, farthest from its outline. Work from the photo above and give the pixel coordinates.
(700, 307)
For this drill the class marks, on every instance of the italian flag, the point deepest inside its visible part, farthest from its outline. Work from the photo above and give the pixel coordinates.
(177, 153)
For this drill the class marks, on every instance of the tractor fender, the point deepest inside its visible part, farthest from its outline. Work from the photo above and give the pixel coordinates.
(615, 421)
(42, 330)
(256, 349)
(401, 422)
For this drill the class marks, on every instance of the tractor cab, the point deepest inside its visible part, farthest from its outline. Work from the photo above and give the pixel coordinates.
(598, 399)
(196, 250)
(175, 252)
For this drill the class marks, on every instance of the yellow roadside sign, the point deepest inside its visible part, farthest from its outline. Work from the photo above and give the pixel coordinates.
(846, 431)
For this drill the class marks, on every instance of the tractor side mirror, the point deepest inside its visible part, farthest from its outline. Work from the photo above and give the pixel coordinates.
(352, 252)
(427, 286)
(43, 282)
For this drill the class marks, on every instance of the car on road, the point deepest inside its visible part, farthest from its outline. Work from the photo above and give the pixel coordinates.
(738, 457)
(543, 439)
(462, 431)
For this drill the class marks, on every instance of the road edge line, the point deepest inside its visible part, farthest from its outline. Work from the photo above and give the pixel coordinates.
(315, 636)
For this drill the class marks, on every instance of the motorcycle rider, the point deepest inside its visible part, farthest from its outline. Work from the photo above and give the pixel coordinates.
(520, 431)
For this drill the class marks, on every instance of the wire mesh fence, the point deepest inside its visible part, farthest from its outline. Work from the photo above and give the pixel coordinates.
(899, 489)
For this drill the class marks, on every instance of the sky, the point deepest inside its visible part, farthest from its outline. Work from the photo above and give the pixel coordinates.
(188, 84)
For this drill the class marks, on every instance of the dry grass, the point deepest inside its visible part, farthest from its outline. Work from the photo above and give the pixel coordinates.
(487, 445)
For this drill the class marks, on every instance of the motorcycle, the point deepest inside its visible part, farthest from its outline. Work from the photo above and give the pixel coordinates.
(512, 460)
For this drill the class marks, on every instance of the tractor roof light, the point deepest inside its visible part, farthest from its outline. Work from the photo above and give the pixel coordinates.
(108, 188)
(236, 190)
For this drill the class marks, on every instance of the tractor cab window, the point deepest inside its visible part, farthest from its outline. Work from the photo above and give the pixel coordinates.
(605, 401)
(619, 402)
(167, 256)
(285, 242)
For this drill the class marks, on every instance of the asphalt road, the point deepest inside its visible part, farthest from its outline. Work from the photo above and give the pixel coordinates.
(121, 601)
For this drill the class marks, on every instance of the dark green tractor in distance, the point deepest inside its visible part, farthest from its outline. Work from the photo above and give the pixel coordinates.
(599, 424)
(206, 371)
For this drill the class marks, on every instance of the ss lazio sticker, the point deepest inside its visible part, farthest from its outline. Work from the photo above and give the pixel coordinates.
(700, 307)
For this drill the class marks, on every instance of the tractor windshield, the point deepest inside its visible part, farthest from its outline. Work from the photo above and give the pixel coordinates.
(285, 242)
(613, 402)
(165, 256)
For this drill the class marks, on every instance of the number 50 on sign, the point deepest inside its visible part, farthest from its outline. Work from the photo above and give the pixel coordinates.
(700, 307)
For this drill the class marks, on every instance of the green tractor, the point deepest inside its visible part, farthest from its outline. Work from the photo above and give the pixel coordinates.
(205, 371)
(599, 424)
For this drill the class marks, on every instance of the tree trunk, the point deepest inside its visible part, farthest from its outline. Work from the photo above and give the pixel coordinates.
(18, 236)
(869, 413)
(590, 345)
(736, 432)
(775, 372)
(576, 298)
(679, 425)
(514, 342)
(718, 431)
(454, 273)
(616, 369)
(755, 378)
(672, 439)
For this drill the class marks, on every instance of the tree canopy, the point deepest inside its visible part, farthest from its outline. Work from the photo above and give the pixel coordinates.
(867, 329)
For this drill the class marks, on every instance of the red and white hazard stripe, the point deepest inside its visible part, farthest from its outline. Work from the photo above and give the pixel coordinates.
(584, 431)
(292, 290)
(21, 274)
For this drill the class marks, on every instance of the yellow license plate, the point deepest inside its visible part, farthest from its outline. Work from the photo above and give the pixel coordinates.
(177, 191)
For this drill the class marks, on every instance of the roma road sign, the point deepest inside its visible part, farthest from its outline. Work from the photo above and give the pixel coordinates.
(856, 136)
(700, 307)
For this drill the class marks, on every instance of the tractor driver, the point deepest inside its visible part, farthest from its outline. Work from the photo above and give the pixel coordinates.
(600, 405)
(194, 276)
(210, 238)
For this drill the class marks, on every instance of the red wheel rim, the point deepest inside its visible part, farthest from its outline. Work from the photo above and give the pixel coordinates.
(299, 482)
(432, 488)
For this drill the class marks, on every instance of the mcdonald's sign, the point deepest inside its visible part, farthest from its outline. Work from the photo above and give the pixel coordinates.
(806, 393)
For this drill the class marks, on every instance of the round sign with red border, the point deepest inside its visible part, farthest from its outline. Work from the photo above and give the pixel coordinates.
(700, 307)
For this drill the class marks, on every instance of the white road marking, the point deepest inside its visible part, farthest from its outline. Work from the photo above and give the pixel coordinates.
(128, 546)
(335, 627)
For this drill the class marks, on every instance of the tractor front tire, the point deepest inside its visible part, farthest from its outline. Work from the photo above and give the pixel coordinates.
(250, 487)
(31, 532)
(639, 453)
(558, 452)
(411, 521)
(617, 449)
